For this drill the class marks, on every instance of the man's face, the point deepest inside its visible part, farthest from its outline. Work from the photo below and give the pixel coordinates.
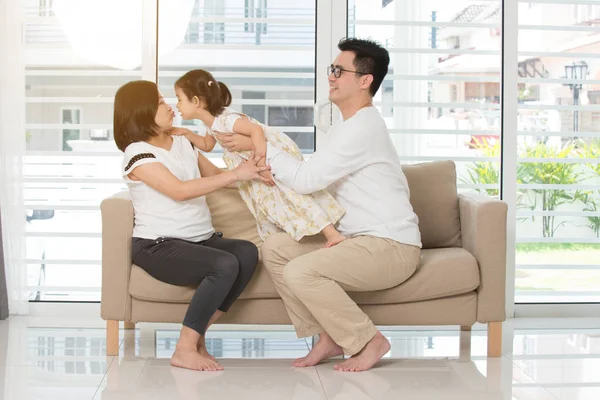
(349, 84)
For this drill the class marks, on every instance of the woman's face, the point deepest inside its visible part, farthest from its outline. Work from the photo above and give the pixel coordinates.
(164, 114)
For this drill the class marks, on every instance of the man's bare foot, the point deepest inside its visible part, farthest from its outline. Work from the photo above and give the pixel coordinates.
(367, 357)
(324, 349)
(191, 359)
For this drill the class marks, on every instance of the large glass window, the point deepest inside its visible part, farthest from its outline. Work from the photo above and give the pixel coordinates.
(73, 69)
(441, 98)
(558, 174)
(77, 55)
(265, 55)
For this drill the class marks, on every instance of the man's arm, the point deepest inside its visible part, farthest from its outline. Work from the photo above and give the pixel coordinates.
(325, 166)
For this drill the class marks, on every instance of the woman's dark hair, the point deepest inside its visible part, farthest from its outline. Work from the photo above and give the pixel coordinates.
(202, 84)
(370, 58)
(134, 115)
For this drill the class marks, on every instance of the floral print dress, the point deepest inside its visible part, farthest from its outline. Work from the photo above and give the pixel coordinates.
(277, 208)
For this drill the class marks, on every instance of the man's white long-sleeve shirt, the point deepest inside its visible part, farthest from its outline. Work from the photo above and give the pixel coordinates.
(358, 165)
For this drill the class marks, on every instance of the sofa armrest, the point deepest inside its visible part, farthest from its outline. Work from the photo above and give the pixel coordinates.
(117, 231)
(483, 229)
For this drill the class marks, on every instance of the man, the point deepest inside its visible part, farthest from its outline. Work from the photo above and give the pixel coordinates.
(359, 166)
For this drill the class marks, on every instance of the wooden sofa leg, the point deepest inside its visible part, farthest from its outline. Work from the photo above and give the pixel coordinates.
(465, 328)
(128, 325)
(494, 338)
(112, 338)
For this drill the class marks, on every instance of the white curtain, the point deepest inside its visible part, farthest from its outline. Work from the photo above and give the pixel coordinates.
(12, 150)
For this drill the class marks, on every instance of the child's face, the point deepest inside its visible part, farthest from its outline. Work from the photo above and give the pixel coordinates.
(185, 106)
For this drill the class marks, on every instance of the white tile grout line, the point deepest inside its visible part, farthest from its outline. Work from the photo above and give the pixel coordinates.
(121, 341)
(538, 384)
(317, 371)
(307, 345)
(321, 382)
(103, 377)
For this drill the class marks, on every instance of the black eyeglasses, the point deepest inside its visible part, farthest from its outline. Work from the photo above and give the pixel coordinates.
(337, 71)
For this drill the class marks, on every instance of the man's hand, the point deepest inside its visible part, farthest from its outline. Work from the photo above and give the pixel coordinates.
(235, 142)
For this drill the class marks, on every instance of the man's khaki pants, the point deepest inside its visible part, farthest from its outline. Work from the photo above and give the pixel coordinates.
(313, 281)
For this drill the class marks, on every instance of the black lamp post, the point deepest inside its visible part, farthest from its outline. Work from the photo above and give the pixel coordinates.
(576, 71)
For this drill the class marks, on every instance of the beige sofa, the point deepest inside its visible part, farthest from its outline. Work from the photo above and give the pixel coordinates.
(460, 281)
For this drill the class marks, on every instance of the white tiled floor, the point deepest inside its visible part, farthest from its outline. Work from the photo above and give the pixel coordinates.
(41, 362)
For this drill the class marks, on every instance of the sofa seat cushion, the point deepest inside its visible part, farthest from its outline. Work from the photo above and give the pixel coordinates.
(144, 287)
(442, 273)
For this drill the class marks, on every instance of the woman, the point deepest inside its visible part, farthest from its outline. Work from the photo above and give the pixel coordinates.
(173, 237)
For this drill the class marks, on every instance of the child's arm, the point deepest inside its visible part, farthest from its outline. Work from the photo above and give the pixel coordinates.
(205, 143)
(246, 127)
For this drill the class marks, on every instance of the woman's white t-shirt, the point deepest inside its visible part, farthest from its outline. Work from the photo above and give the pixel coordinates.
(156, 214)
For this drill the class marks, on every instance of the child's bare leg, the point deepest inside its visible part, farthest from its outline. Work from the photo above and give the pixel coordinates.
(332, 235)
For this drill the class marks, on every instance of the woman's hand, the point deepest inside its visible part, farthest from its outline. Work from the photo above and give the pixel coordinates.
(236, 142)
(248, 170)
(265, 174)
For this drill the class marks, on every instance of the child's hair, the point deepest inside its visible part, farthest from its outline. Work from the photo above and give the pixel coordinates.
(202, 84)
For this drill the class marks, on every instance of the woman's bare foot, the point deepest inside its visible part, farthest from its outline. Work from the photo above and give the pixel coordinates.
(189, 358)
(324, 349)
(204, 353)
(201, 347)
(367, 357)
(333, 236)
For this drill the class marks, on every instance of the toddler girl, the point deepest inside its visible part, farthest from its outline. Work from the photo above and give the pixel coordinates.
(275, 207)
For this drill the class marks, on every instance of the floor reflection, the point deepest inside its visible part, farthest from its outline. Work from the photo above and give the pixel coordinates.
(70, 363)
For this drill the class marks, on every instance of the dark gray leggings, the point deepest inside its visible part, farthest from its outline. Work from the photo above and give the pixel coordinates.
(220, 267)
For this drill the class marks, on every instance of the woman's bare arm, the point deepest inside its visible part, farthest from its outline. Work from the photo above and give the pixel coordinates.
(207, 169)
(158, 177)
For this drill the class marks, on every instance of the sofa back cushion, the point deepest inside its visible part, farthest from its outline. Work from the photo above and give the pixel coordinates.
(434, 199)
(231, 216)
(432, 194)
